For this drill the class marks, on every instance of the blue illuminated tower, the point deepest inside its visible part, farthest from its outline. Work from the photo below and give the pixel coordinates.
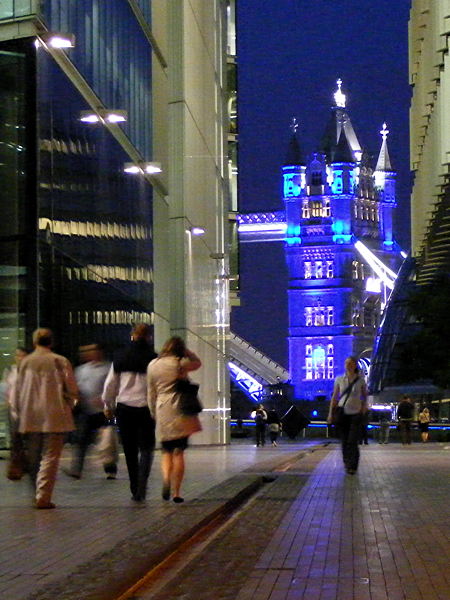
(335, 299)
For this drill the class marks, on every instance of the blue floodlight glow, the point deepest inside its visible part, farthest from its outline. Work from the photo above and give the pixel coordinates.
(293, 230)
(245, 381)
(338, 227)
(293, 240)
(291, 187)
(342, 239)
(314, 413)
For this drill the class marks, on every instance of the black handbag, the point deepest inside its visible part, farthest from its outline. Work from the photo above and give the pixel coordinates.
(189, 403)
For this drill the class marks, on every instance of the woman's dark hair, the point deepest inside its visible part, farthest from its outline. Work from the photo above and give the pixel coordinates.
(174, 346)
(355, 360)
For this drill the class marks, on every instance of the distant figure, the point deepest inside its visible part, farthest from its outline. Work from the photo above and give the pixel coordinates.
(274, 425)
(125, 396)
(174, 362)
(424, 422)
(45, 395)
(350, 394)
(405, 413)
(260, 417)
(89, 417)
(17, 460)
(385, 427)
(364, 438)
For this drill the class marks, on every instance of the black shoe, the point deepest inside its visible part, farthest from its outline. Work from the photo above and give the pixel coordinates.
(137, 498)
(166, 492)
(178, 499)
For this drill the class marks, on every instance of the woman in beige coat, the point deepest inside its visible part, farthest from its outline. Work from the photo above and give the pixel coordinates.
(174, 428)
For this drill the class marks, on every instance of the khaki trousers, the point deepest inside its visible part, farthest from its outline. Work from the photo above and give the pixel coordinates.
(44, 451)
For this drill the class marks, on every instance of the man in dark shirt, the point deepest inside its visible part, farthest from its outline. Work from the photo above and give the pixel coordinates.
(405, 413)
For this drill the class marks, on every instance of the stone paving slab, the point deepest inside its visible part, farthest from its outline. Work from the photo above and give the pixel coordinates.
(382, 534)
(97, 536)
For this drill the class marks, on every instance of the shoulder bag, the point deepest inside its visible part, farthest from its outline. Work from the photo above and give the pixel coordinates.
(189, 402)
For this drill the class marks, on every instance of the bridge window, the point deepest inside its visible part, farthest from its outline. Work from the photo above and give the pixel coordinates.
(316, 363)
(308, 316)
(308, 272)
(319, 317)
(305, 210)
(330, 367)
(308, 368)
(316, 208)
(330, 269)
(330, 315)
(316, 178)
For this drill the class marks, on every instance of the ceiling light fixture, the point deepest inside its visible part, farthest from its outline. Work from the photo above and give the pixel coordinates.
(58, 40)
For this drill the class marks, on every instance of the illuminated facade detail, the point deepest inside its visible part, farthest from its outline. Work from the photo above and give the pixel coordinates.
(327, 294)
(339, 96)
(104, 273)
(337, 288)
(94, 229)
(109, 317)
(245, 381)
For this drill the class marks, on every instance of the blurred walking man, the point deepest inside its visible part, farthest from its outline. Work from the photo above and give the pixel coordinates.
(44, 397)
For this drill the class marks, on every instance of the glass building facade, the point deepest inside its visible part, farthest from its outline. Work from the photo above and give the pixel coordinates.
(81, 253)
(76, 232)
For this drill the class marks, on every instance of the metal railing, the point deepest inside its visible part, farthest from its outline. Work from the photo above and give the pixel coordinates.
(258, 364)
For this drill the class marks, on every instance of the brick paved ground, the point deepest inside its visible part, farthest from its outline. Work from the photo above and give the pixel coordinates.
(49, 554)
(380, 535)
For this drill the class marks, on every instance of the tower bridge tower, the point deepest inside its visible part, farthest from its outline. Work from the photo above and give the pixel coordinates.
(331, 200)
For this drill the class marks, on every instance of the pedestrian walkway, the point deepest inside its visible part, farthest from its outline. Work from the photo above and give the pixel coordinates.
(313, 533)
(382, 534)
(94, 516)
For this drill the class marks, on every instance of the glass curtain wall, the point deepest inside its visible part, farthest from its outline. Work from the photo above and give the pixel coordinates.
(113, 55)
(14, 149)
(95, 223)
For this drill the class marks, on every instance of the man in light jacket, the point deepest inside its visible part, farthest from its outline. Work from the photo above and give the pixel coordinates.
(45, 394)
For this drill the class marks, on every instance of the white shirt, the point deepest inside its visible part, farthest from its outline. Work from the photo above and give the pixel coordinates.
(125, 388)
(357, 395)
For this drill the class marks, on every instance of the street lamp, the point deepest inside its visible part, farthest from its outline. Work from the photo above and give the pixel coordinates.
(196, 230)
(103, 115)
(150, 168)
(58, 40)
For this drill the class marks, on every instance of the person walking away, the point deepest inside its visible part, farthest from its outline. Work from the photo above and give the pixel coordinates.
(174, 362)
(89, 418)
(17, 461)
(125, 396)
(424, 422)
(274, 425)
(350, 394)
(44, 397)
(405, 412)
(364, 436)
(260, 417)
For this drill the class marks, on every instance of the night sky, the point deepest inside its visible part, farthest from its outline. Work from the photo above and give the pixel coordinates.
(290, 54)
